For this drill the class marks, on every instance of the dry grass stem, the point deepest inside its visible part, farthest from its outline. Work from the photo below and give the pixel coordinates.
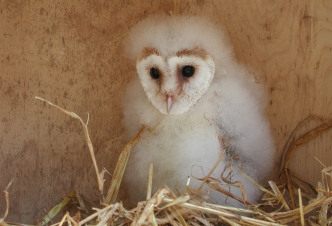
(57, 209)
(216, 187)
(280, 205)
(120, 168)
(290, 148)
(96, 214)
(301, 207)
(279, 195)
(68, 219)
(100, 176)
(148, 196)
(222, 153)
(108, 215)
(294, 134)
(307, 137)
(2, 220)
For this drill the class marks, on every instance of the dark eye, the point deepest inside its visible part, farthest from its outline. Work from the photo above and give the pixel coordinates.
(154, 73)
(188, 71)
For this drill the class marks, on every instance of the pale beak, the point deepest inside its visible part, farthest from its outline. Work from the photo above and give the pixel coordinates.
(169, 102)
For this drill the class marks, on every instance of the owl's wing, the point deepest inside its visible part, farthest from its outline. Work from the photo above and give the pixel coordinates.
(241, 120)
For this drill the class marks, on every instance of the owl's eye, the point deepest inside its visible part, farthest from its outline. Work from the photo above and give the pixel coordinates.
(188, 71)
(154, 73)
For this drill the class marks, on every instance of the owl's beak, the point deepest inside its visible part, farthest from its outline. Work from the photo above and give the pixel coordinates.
(169, 102)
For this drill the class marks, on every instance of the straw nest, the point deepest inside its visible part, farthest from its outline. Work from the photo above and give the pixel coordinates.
(290, 200)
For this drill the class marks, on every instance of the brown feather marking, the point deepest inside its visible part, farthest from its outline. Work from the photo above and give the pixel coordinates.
(197, 52)
(147, 51)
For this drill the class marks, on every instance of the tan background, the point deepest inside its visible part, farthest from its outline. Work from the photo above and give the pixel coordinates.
(70, 52)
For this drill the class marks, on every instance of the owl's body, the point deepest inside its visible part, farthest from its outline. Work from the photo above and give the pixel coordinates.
(195, 100)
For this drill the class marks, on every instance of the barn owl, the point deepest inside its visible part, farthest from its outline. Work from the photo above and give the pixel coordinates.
(196, 100)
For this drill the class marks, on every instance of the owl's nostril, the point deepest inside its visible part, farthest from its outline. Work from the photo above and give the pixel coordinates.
(169, 102)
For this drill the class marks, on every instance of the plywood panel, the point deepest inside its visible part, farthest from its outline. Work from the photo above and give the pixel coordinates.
(71, 53)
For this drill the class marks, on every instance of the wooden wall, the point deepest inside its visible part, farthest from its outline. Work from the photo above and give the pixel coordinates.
(70, 52)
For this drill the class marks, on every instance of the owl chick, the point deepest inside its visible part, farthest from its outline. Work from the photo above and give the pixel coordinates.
(196, 100)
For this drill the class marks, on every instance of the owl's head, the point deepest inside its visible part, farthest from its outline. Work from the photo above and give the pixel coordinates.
(176, 59)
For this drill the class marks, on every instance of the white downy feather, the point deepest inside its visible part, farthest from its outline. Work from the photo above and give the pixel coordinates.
(186, 142)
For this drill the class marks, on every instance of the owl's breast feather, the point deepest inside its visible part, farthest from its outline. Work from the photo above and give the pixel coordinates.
(186, 144)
